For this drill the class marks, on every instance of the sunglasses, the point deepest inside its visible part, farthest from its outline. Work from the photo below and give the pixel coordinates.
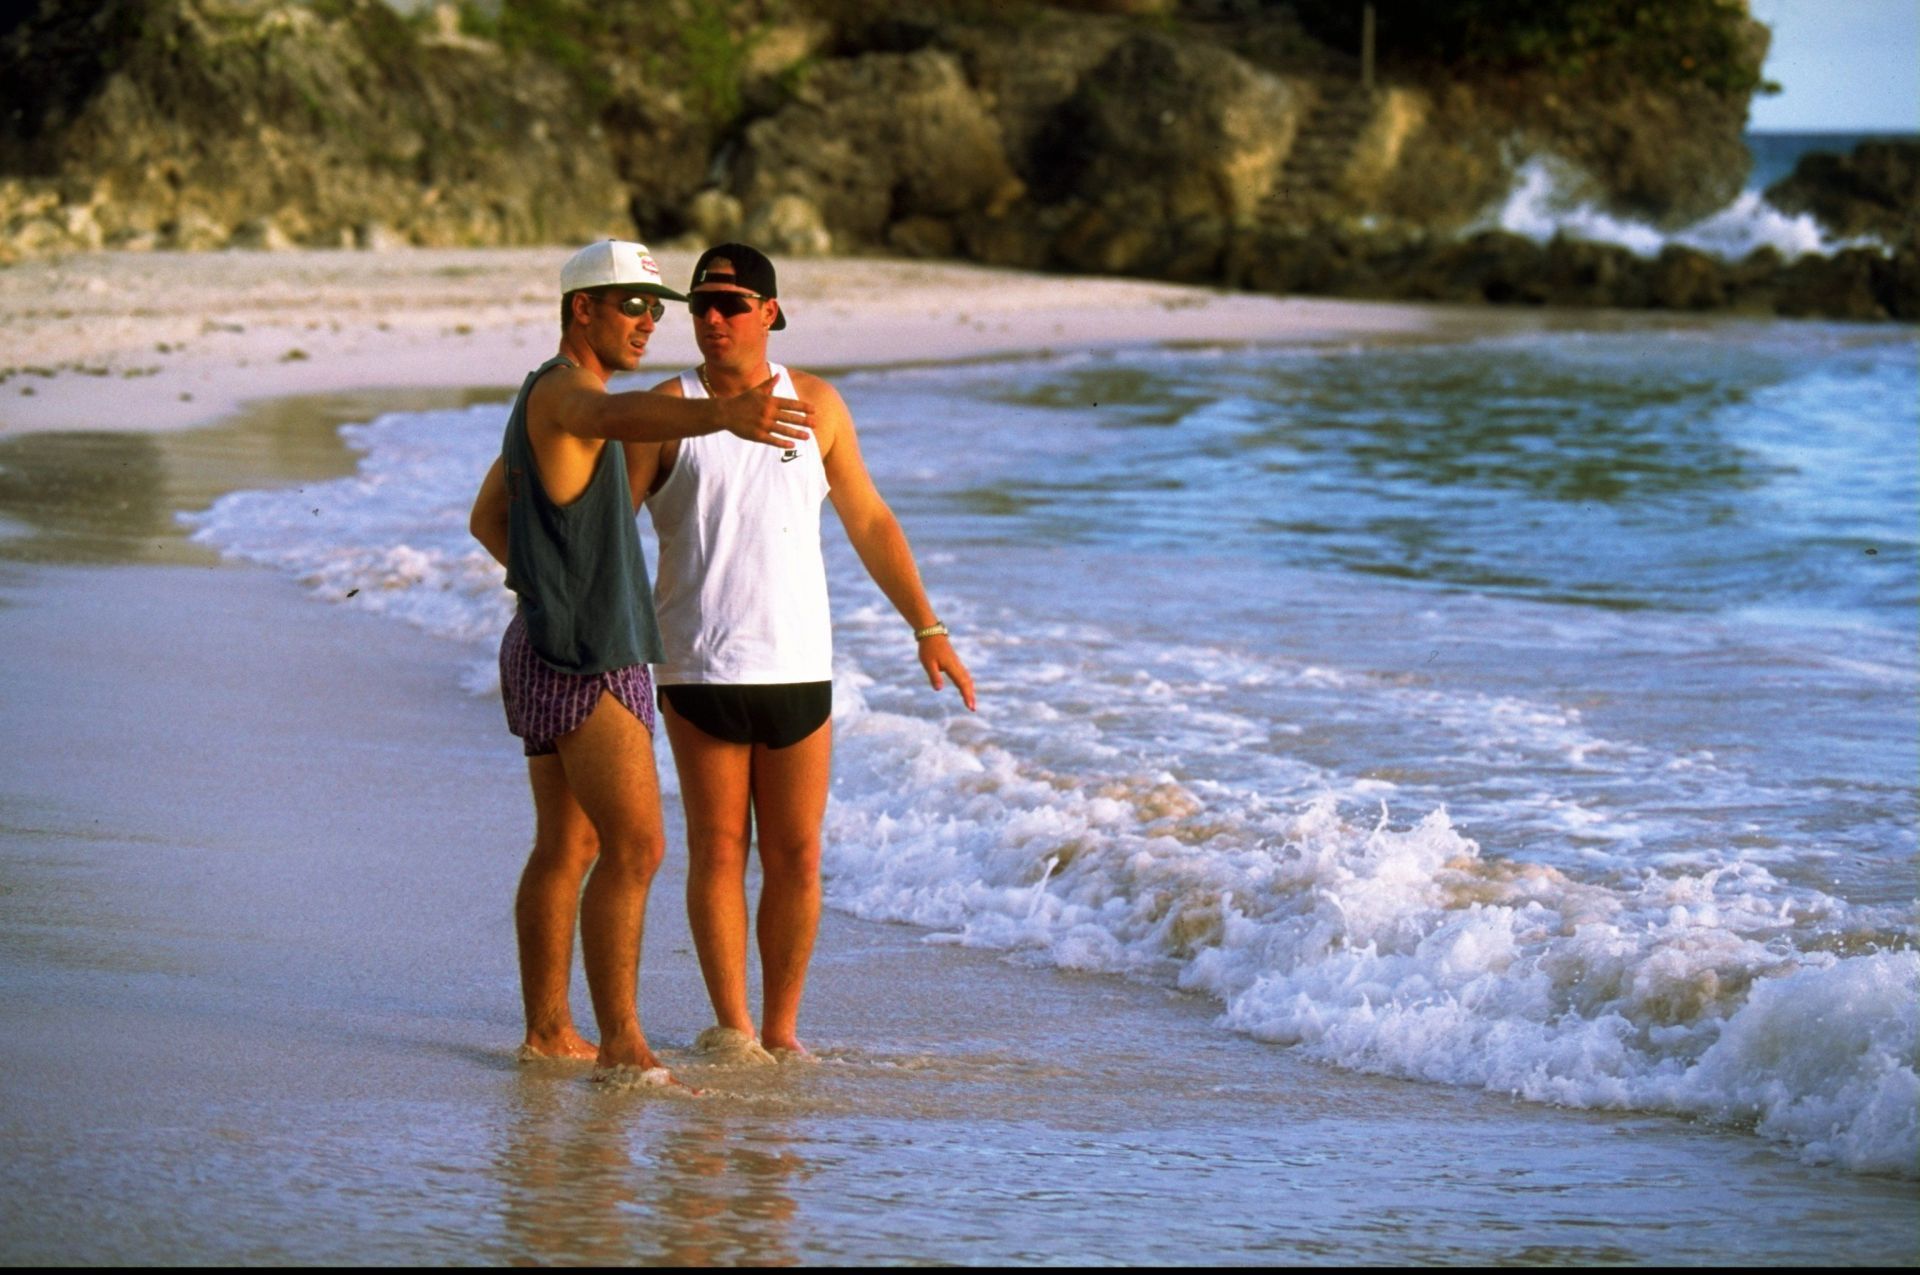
(730, 304)
(634, 307)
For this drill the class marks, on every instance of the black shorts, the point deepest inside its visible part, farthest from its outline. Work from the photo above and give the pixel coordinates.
(774, 714)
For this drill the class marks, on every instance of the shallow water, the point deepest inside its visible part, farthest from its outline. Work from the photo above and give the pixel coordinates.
(1386, 915)
(1533, 715)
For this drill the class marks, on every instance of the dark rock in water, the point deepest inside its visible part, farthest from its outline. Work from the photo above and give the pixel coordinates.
(1897, 282)
(1875, 190)
(1685, 279)
(1752, 283)
(1581, 272)
(1842, 286)
(1494, 265)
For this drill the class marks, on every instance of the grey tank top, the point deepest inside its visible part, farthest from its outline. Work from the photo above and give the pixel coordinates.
(577, 568)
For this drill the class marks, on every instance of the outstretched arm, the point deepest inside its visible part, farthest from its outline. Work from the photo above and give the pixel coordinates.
(578, 404)
(876, 536)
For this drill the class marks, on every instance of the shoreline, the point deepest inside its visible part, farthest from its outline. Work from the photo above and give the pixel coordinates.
(135, 342)
(258, 855)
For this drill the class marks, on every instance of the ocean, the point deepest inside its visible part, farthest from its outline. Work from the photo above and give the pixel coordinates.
(1532, 716)
(1548, 199)
(1489, 767)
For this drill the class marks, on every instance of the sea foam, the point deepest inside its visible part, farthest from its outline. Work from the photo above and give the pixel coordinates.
(1540, 206)
(1401, 950)
(1315, 916)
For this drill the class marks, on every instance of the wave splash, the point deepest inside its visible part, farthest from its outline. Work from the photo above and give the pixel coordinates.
(1541, 207)
(391, 539)
(1401, 951)
(1724, 994)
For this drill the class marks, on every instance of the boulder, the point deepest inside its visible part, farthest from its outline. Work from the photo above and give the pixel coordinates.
(1838, 287)
(1494, 265)
(788, 226)
(1874, 190)
(1164, 144)
(1581, 272)
(197, 116)
(876, 139)
(259, 234)
(1685, 279)
(922, 237)
(377, 236)
(713, 216)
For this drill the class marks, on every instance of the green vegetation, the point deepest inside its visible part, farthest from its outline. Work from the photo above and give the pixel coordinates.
(560, 32)
(712, 56)
(696, 47)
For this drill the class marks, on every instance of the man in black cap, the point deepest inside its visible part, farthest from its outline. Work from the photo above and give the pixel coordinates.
(746, 686)
(556, 510)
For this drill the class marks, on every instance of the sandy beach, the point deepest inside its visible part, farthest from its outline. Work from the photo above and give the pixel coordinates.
(161, 340)
(256, 858)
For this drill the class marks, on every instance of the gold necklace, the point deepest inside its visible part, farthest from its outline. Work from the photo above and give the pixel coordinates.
(707, 385)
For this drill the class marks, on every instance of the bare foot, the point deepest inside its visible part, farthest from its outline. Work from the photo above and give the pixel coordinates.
(626, 1062)
(790, 1050)
(730, 1044)
(565, 1046)
(627, 1076)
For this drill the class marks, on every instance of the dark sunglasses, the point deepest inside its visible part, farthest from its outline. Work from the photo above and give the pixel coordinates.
(731, 304)
(634, 307)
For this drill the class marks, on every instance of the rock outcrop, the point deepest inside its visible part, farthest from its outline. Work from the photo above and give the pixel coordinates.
(1875, 190)
(1189, 142)
(890, 148)
(211, 123)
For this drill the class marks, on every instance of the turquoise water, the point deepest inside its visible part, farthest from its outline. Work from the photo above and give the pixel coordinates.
(1534, 715)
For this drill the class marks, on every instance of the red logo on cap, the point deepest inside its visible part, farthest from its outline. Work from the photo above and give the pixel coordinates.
(649, 264)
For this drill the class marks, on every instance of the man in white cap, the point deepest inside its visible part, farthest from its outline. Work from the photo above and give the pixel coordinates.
(746, 687)
(557, 511)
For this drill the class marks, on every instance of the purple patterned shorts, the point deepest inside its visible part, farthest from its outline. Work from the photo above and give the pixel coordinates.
(543, 703)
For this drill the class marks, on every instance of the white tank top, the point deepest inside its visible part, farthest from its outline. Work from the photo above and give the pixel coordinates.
(741, 589)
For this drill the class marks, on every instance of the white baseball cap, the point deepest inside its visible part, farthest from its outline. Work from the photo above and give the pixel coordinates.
(615, 263)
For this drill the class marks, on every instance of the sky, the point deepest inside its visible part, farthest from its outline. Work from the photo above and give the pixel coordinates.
(1842, 66)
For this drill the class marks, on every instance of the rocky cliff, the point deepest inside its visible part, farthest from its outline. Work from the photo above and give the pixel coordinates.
(1206, 141)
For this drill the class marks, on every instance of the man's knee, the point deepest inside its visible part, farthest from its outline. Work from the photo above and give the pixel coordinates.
(794, 862)
(575, 846)
(714, 851)
(633, 854)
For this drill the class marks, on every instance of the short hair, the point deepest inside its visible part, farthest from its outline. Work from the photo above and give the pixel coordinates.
(566, 304)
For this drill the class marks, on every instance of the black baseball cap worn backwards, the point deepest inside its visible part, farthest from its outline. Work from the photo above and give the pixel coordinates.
(750, 269)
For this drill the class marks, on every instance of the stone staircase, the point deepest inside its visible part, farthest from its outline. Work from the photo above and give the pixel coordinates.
(1311, 182)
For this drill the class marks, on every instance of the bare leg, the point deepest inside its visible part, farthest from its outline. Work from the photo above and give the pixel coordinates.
(714, 787)
(789, 801)
(564, 847)
(609, 767)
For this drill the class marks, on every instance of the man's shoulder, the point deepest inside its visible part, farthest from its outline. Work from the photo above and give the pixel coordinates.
(562, 375)
(810, 387)
(803, 377)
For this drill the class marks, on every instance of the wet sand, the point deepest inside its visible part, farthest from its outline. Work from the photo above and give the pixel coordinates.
(262, 1006)
(256, 860)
